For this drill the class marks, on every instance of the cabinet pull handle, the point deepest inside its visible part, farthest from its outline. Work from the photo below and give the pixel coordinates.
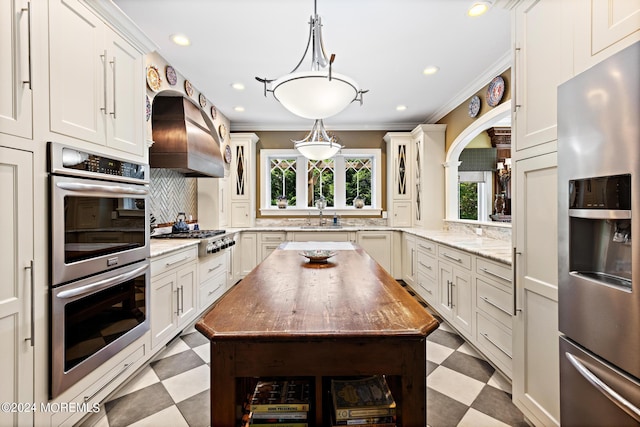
(374, 237)
(429, 291)
(628, 407)
(32, 275)
(428, 267)
(103, 57)
(272, 239)
(514, 100)
(491, 273)
(452, 304)
(428, 248)
(412, 250)
(446, 255)
(448, 294)
(496, 345)
(28, 10)
(169, 264)
(488, 301)
(514, 255)
(113, 66)
(215, 268)
(182, 299)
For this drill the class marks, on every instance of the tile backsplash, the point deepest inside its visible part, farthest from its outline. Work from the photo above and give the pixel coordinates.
(172, 192)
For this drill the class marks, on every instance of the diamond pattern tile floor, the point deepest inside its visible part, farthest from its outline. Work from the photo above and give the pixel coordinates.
(463, 390)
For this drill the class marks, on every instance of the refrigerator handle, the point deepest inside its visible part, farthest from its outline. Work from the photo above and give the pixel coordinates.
(603, 388)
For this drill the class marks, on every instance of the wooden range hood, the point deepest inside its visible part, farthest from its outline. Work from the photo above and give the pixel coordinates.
(182, 139)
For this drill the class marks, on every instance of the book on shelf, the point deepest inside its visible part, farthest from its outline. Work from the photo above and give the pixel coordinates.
(360, 398)
(281, 396)
(389, 421)
(282, 416)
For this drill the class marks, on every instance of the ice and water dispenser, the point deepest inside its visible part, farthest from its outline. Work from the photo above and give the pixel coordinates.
(600, 229)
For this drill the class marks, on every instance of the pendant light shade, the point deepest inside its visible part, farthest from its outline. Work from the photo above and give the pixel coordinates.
(318, 93)
(317, 145)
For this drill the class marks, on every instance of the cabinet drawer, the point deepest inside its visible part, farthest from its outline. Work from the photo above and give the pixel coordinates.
(212, 266)
(173, 260)
(212, 289)
(454, 256)
(427, 287)
(495, 302)
(272, 237)
(427, 265)
(496, 341)
(494, 272)
(426, 246)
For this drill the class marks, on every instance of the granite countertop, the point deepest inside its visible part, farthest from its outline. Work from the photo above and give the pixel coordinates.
(494, 249)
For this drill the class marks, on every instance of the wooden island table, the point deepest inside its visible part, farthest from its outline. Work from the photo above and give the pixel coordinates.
(293, 318)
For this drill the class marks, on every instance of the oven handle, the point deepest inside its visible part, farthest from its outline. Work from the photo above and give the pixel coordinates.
(603, 388)
(75, 186)
(101, 284)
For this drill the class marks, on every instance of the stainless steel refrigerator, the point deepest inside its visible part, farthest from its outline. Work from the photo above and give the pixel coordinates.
(599, 243)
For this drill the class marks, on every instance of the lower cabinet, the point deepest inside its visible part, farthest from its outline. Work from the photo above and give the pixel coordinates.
(173, 293)
(409, 258)
(213, 274)
(269, 242)
(245, 254)
(455, 299)
(378, 245)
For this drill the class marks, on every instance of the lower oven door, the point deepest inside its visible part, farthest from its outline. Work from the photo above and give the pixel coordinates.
(95, 318)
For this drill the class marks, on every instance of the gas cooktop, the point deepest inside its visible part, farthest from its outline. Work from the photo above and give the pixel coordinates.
(191, 234)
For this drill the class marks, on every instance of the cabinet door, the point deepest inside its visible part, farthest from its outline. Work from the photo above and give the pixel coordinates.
(15, 78)
(445, 297)
(164, 304)
(16, 353)
(125, 95)
(462, 302)
(536, 384)
(240, 214)
(378, 246)
(409, 258)
(188, 294)
(543, 59)
(401, 216)
(245, 255)
(78, 66)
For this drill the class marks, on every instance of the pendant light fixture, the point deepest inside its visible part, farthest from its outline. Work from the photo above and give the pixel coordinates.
(318, 93)
(317, 145)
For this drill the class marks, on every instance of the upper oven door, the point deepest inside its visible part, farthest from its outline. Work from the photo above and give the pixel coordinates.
(96, 226)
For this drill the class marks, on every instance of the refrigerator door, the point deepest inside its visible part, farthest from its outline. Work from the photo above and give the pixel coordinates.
(595, 393)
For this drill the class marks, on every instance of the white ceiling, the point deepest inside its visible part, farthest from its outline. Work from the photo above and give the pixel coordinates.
(382, 44)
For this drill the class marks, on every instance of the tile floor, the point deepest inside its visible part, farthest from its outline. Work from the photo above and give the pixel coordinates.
(462, 388)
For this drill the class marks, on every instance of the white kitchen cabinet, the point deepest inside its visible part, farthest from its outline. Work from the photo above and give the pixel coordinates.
(455, 299)
(378, 244)
(536, 384)
(323, 236)
(15, 68)
(96, 88)
(213, 270)
(269, 242)
(174, 291)
(243, 179)
(427, 271)
(399, 179)
(602, 28)
(16, 292)
(543, 59)
(409, 259)
(245, 254)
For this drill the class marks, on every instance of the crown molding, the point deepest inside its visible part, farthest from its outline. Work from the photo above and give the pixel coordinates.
(246, 127)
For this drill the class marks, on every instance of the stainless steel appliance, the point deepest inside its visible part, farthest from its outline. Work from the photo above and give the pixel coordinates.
(211, 241)
(599, 243)
(99, 298)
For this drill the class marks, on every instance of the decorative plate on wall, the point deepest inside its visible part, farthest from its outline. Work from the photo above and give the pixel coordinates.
(172, 77)
(495, 91)
(214, 112)
(222, 130)
(474, 106)
(203, 100)
(153, 78)
(188, 87)
(148, 107)
(227, 153)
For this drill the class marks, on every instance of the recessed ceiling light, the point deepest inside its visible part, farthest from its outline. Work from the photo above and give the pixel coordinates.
(431, 69)
(401, 107)
(237, 86)
(478, 8)
(239, 108)
(180, 39)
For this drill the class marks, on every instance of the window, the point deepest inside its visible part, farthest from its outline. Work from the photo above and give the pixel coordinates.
(289, 176)
(474, 195)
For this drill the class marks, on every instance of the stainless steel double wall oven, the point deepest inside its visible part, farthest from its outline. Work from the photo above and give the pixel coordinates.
(99, 296)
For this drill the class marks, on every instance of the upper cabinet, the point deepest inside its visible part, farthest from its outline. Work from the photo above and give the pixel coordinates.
(96, 87)
(399, 178)
(243, 179)
(15, 68)
(602, 28)
(542, 60)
